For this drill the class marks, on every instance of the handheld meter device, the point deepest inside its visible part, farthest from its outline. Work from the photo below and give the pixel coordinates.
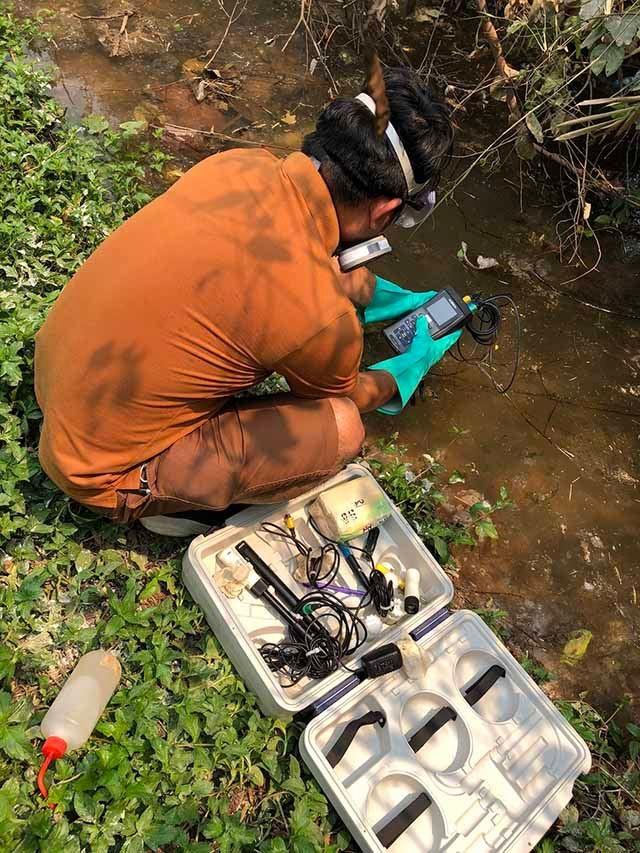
(363, 253)
(445, 312)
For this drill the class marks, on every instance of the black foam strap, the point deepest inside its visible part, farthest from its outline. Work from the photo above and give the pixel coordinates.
(391, 831)
(338, 750)
(476, 691)
(439, 719)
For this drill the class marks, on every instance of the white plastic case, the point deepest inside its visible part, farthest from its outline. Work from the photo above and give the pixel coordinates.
(496, 777)
(241, 624)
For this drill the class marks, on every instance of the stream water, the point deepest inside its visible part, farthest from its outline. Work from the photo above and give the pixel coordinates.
(565, 440)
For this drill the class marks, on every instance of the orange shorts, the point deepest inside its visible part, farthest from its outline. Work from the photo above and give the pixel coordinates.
(247, 453)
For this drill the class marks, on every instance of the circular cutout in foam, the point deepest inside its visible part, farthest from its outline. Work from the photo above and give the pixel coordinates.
(500, 701)
(446, 750)
(389, 797)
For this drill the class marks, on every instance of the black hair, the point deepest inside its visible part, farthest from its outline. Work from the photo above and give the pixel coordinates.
(357, 165)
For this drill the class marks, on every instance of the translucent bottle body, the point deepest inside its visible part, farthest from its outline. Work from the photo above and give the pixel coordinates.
(77, 707)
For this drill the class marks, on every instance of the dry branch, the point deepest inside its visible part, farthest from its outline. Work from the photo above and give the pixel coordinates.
(127, 12)
(598, 185)
(231, 19)
(504, 69)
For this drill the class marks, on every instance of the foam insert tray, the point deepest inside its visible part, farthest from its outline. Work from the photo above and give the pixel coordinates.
(243, 624)
(496, 776)
(493, 777)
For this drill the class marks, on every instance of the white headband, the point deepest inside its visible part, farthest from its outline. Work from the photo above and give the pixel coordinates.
(396, 144)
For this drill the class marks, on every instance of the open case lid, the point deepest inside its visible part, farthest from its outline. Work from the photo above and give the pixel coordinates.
(242, 624)
(470, 758)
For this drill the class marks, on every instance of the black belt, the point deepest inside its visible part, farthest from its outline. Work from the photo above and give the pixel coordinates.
(337, 751)
(391, 831)
(476, 691)
(439, 719)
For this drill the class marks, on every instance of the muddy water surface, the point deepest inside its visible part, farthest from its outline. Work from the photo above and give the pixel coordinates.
(565, 440)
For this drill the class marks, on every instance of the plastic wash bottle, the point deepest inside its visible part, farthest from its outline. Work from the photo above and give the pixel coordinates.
(71, 718)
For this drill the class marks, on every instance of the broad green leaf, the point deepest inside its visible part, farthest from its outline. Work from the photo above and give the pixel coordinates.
(83, 560)
(524, 148)
(84, 806)
(15, 743)
(615, 58)
(96, 124)
(535, 127)
(294, 785)
(596, 34)
(623, 28)
(213, 828)
(144, 822)
(591, 8)
(598, 57)
(485, 529)
(442, 549)
(256, 776)
(479, 507)
(274, 845)
(132, 128)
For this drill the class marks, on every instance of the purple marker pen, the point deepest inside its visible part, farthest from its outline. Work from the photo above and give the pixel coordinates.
(345, 590)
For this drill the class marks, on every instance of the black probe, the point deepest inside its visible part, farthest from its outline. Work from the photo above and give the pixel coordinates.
(267, 574)
(295, 622)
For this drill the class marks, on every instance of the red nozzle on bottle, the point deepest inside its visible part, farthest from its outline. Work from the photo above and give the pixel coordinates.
(52, 748)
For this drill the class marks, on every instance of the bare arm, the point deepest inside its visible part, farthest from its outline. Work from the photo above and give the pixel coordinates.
(358, 285)
(374, 389)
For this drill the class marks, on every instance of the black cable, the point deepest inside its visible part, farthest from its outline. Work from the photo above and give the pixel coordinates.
(484, 326)
(382, 592)
(379, 591)
(334, 632)
(314, 562)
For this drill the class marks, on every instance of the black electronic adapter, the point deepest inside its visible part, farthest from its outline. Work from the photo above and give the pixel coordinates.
(381, 661)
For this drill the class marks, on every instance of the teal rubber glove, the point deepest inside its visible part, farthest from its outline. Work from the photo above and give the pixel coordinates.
(391, 301)
(409, 368)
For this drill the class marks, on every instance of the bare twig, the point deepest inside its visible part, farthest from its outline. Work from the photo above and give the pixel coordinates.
(599, 185)
(498, 592)
(184, 17)
(231, 19)
(123, 30)
(564, 452)
(128, 12)
(299, 22)
(181, 130)
(571, 487)
(504, 69)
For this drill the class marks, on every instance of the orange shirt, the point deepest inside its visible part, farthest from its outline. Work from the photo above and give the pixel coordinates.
(221, 280)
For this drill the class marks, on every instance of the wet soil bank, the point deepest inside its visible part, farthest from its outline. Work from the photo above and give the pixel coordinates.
(565, 440)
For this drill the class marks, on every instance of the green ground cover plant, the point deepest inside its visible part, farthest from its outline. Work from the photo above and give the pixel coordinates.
(182, 760)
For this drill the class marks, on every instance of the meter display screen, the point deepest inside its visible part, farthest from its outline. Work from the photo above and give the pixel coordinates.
(445, 313)
(442, 311)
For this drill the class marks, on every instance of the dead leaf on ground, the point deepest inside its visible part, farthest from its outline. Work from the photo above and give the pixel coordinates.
(192, 67)
(427, 15)
(469, 497)
(153, 600)
(289, 118)
(486, 263)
